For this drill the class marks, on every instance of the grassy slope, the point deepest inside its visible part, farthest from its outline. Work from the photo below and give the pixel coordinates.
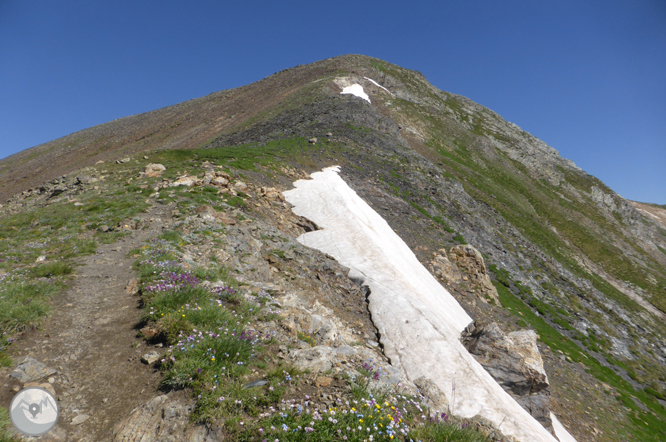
(562, 229)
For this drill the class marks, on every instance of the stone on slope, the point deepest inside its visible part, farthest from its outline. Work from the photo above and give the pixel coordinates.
(153, 170)
(514, 361)
(30, 370)
(150, 358)
(162, 419)
(471, 261)
(442, 268)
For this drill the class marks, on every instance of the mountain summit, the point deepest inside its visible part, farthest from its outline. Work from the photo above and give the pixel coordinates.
(557, 285)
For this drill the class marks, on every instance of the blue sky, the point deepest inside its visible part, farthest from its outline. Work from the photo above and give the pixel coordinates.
(588, 78)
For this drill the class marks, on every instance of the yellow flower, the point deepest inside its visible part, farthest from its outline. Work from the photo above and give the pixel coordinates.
(353, 409)
(360, 420)
(183, 316)
(378, 407)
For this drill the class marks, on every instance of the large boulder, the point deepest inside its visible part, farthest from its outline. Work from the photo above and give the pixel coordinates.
(153, 170)
(470, 260)
(515, 362)
(444, 269)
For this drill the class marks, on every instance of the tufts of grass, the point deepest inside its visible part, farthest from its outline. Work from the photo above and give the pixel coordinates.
(377, 418)
(59, 268)
(306, 338)
(23, 304)
(6, 427)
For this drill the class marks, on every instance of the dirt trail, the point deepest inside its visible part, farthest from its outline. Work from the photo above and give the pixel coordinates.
(90, 338)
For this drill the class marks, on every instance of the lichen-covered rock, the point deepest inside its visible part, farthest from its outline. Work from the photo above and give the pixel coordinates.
(442, 268)
(471, 261)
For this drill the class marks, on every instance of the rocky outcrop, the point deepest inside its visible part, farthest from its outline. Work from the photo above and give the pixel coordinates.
(464, 263)
(444, 269)
(162, 419)
(153, 170)
(514, 361)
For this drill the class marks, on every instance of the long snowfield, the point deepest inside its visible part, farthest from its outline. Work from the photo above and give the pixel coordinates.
(418, 320)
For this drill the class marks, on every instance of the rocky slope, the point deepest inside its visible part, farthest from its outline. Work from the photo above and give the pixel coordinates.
(557, 251)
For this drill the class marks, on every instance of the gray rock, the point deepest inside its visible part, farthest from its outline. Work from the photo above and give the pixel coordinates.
(257, 383)
(163, 420)
(30, 370)
(435, 398)
(150, 358)
(514, 361)
(81, 418)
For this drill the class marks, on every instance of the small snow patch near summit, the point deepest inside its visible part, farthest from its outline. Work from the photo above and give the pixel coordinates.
(356, 89)
(378, 85)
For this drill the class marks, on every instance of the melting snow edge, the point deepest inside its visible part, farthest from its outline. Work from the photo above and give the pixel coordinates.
(418, 320)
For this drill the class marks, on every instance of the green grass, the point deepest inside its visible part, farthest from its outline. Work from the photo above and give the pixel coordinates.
(213, 360)
(23, 304)
(369, 417)
(306, 338)
(52, 269)
(5, 426)
(556, 341)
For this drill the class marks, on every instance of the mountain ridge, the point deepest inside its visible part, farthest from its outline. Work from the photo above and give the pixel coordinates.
(569, 257)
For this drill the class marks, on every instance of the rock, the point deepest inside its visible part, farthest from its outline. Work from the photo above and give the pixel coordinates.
(153, 170)
(46, 386)
(219, 181)
(271, 193)
(434, 396)
(329, 134)
(469, 259)
(258, 383)
(149, 333)
(30, 370)
(81, 418)
(514, 361)
(312, 140)
(56, 434)
(104, 228)
(442, 268)
(41, 258)
(209, 213)
(187, 181)
(57, 190)
(124, 160)
(240, 186)
(323, 382)
(163, 420)
(132, 287)
(85, 179)
(150, 358)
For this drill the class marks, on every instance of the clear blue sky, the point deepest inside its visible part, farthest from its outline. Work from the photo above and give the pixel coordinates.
(587, 77)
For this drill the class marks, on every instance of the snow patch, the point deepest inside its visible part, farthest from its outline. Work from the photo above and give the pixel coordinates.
(561, 432)
(418, 320)
(356, 89)
(377, 84)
